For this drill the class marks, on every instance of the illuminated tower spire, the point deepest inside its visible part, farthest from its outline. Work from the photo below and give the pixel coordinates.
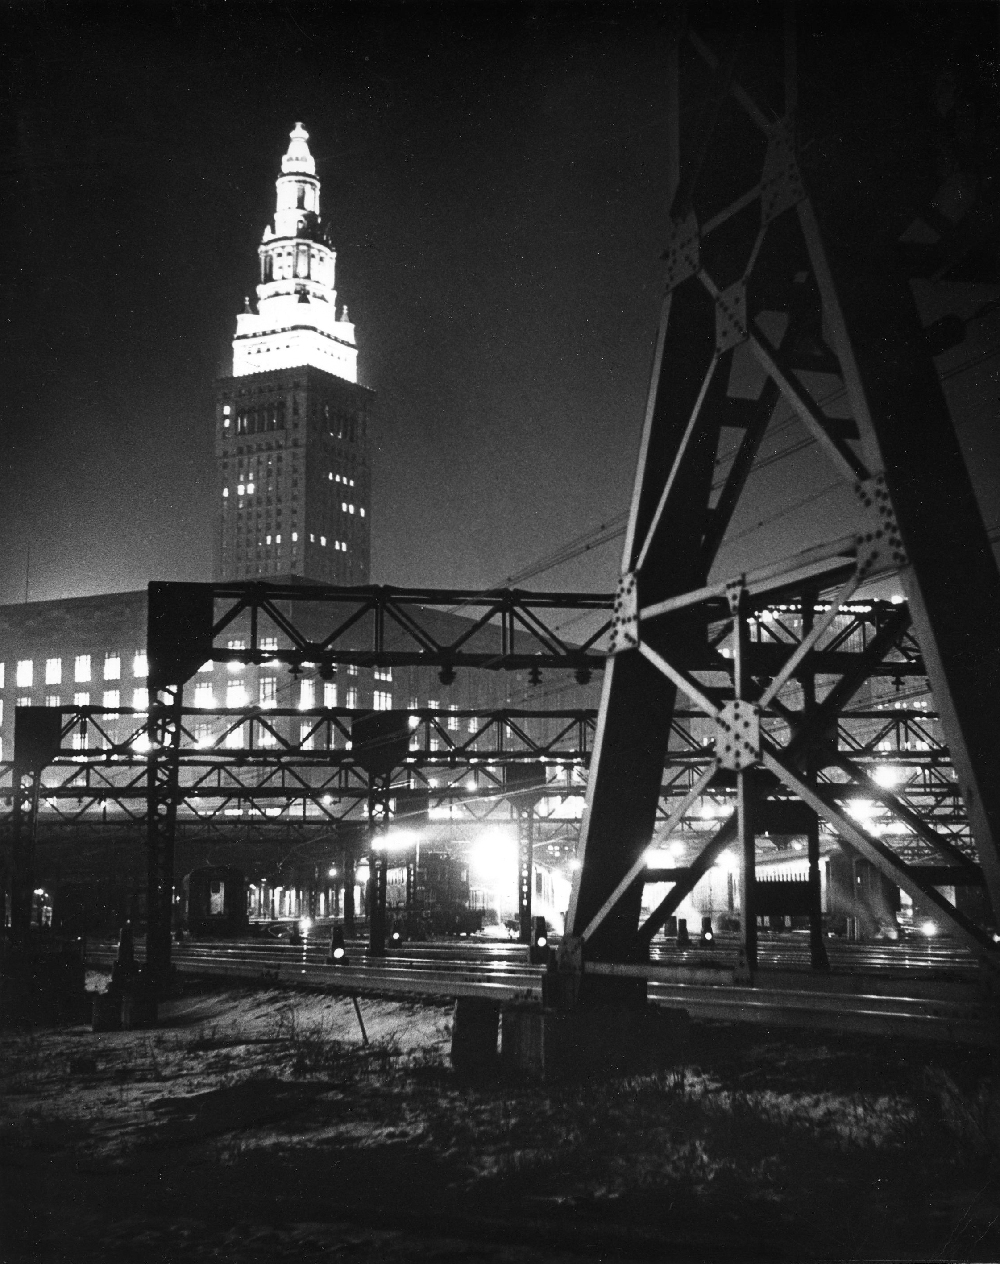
(296, 323)
(292, 425)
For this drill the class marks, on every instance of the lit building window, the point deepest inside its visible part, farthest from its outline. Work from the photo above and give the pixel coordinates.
(206, 667)
(53, 700)
(306, 736)
(453, 719)
(352, 698)
(140, 699)
(322, 541)
(235, 645)
(343, 506)
(234, 738)
(140, 667)
(268, 642)
(112, 667)
(361, 511)
(225, 490)
(1, 675)
(307, 694)
(25, 673)
(330, 693)
(203, 695)
(236, 694)
(265, 737)
(112, 698)
(352, 669)
(24, 702)
(473, 724)
(53, 671)
(81, 670)
(81, 699)
(267, 539)
(350, 509)
(277, 538)
(383, 673)
(312, 538)
(269, 691)
(295, 536)
(382, 700)
(433, 704)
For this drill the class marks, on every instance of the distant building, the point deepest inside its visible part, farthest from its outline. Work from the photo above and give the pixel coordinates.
(292, 425)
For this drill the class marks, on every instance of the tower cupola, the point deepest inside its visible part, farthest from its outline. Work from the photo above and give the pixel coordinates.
(296, 322)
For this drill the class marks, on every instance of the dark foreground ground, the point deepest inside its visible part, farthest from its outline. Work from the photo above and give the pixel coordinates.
(256, 1126)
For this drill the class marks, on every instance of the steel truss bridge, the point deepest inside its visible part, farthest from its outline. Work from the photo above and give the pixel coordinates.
(768, 685)
(300, 769)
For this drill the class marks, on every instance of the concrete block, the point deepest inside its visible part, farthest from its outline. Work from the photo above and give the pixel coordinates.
(107, 1012)
(139, 1011)
(607, 1040)
(474, 1035)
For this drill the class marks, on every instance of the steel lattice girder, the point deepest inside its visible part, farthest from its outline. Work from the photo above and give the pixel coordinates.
(775, 267)
(307, 766)
(323, 625)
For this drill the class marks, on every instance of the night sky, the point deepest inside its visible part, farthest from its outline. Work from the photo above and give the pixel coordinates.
(496, 183)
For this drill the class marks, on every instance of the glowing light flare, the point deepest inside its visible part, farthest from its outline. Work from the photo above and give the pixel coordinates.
(888, 775)
(928, 929)
(728, 860)
(493, 857)
(396, 840)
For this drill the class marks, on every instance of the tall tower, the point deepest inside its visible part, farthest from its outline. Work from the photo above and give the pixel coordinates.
(292, 424)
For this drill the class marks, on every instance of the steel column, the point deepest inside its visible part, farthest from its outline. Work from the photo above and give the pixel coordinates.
(163, 792)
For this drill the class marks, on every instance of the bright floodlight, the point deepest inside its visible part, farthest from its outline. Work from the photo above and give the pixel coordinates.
(929, 929)
(331, 873)
(888, 775)
(494, 857)
(396, 840)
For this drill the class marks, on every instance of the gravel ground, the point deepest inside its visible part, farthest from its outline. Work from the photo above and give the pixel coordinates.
(256, 1125)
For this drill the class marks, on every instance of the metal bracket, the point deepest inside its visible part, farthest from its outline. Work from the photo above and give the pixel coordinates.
(625, 615)
(731, 317)
(683, 255)
(780, 183)
(881, 545)
(737, 736)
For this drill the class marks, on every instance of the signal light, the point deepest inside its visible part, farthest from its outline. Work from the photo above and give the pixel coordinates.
(539, 949)
(338, 949)
(706, 930)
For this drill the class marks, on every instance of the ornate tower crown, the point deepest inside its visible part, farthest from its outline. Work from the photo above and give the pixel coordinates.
(296, 322)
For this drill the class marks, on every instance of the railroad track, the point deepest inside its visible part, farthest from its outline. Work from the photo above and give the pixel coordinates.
(906, 1004)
